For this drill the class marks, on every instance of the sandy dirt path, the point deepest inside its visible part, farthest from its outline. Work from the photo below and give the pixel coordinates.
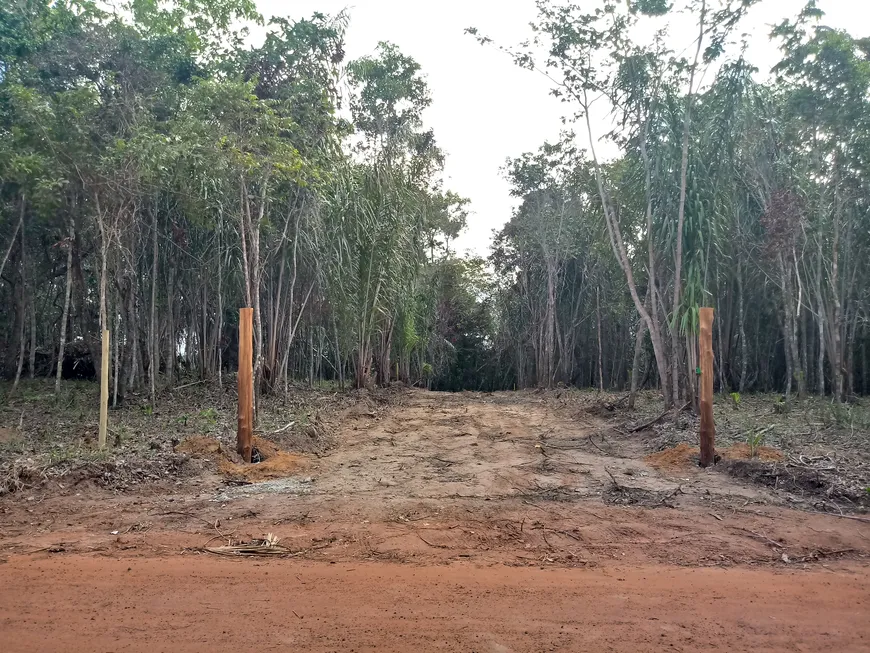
(187, 604)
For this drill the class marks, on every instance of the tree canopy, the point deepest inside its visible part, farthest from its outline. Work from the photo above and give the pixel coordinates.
(157, 172)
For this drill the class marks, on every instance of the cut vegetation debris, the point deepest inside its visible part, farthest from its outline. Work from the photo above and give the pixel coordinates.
(268, 546)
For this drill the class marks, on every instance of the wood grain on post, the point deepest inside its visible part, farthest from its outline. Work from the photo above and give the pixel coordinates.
(104, 391)
(245, 434)
(708, 427)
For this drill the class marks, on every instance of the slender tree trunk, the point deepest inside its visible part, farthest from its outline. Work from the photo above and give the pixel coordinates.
(820, 313)
(21, 341)
(220, 302)
(310, 356)
(638, 350)
(790, 330)
(104, 256)
(681, 213)
(204, 359)
(600, 351)
(741, 325)
(789, 368)
(692, 390)
(116, 371)
(22, 306)
(243, 232)
(723, 383)
(339, 366)
(549, 345)
(800, 374)
(865, 364)
(618, 245)
(14, 236)
(172, 345)
(804, 337)
(153, 354)
(834, 282)
(850, 355)
(653, 324)
(126, 304)
(31, 356)
(255, 292)
(363, 364)
(65, 317)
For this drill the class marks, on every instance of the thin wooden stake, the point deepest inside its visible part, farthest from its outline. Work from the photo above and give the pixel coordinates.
(104, 391)
(708, 427)
(245, 435)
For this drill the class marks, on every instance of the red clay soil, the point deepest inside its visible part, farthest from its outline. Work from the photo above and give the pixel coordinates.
(684, 456)
(198, 603)
(276, 462)
(445, 522)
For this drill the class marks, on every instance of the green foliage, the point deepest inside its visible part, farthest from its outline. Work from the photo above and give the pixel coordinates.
(392, 96)
(188, 171)
(209, 417)
(651, 7)
(755, 441)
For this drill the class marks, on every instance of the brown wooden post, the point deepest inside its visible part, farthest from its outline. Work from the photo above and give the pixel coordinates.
(245, 435)
(104, 392)
(708, 427)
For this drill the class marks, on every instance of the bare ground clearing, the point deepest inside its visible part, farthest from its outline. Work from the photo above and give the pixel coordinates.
(486, 483)
(515, 478)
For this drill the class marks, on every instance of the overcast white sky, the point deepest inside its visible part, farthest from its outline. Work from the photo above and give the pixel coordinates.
(485, 109)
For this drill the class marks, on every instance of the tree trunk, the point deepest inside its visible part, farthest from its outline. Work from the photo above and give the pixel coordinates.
(244, 207)
(741, 325)
(638, 350)
(790, 330)
(723, 384)
(681, 213)
(220, 302)
(800, 374)
(310, 356)
(804, 337)
(865, 364)
(116, 371)
(834, 282)
(339, 366)
(820, 313)
(600, 354)
(172, 345)
(65, 317)
(31, 357)
(618, 245)
(153, 354)
(550, 341)
(14, 236)
(22, 306)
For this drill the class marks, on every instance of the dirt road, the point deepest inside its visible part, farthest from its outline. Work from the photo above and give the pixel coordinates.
(84, 604)
(507, 522)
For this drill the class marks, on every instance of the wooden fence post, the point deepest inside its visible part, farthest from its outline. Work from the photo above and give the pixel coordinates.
(245, 435)
(104, 391)
(708, 427)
